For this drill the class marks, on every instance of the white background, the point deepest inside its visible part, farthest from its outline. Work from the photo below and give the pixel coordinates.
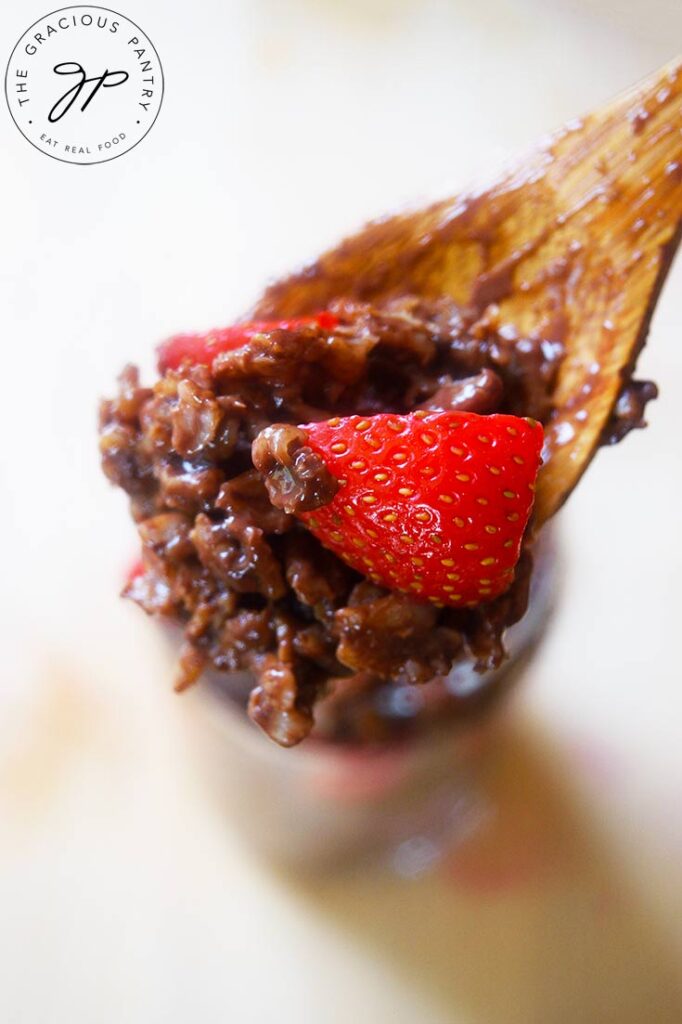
(124, 896)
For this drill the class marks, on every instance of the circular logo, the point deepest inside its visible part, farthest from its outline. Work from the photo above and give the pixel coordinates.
(84, 84)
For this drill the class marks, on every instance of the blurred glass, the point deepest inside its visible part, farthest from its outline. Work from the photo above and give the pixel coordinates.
(327, 803)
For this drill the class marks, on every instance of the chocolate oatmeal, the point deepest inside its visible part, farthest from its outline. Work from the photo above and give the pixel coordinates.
(224, 555)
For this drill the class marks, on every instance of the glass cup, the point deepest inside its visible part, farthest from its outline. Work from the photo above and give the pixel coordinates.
(326, 802)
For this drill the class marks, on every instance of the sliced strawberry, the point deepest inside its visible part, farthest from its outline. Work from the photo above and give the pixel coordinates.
(432, 504)
(203, 348)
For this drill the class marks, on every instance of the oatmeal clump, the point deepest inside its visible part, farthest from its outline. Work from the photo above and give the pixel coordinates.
(253, 589)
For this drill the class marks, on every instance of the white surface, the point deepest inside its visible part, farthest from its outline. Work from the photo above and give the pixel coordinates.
(123, 894)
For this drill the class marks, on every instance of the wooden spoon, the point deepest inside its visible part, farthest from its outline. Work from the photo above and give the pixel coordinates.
(571, 244)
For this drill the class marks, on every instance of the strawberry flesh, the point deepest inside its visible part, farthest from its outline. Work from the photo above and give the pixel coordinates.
(431, 504)
(203, 348)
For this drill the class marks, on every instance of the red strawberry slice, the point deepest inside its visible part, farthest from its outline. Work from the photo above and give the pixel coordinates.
(203, 348)
(431, 504)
